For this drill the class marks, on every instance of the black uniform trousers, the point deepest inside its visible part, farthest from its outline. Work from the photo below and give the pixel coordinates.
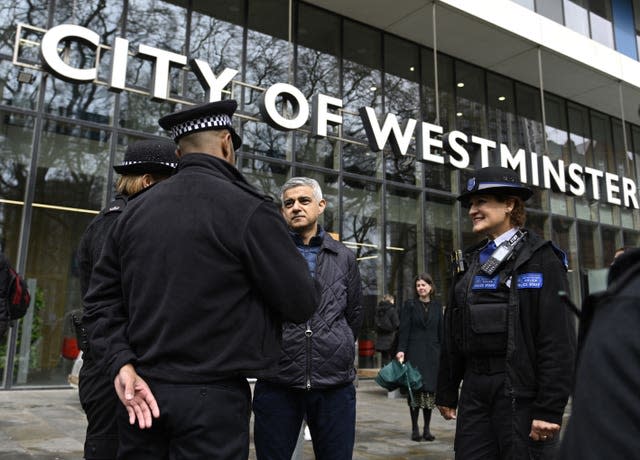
(99, 402)
(493, 425)
(197, 422)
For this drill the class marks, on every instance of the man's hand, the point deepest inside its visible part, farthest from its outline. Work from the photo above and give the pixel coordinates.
(449, 413)
(400, 356)
(136, 396)
(543, 431)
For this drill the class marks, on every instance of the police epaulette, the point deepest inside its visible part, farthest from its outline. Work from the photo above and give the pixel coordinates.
(116, 205)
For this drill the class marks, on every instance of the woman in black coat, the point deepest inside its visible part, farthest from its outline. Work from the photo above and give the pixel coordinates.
(419, 344)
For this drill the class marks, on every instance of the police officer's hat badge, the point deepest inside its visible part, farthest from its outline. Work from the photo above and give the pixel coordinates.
(495, 180)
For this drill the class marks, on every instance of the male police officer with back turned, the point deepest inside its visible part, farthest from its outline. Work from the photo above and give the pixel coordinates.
(184, 302)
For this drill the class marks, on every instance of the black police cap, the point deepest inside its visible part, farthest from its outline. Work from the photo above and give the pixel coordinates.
(495, 180)
(149, 156)
(203, 117)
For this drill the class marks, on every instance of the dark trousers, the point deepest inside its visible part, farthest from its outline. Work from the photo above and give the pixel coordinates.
(279, 411)
(99, 402)
(492, 425)
(197, 421)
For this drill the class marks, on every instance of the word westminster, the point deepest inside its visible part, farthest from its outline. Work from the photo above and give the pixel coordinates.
(430, 139)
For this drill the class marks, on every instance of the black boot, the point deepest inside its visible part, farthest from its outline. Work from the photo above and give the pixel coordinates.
(426, 434)
(415, 431)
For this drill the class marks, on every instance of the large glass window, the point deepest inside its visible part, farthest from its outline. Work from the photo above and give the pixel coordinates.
(576, 16)
(401, 96)
(551, 9)
(502, 121)
(438, 176)
(32, 12)
(404, 242)
(441, 238)
(216, 38)
(470, 100)
(361, 87)
(318, 71)
(601, 20)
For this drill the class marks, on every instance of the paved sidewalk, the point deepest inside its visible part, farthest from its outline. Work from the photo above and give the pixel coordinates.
(50, 424)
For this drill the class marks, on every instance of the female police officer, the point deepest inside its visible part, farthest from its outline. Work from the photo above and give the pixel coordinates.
(508, 336)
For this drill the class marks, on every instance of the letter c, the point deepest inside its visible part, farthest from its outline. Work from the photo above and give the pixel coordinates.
(53, 61)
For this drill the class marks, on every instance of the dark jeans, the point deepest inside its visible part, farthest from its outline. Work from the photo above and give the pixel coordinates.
(197, 421)
(279, 411)
(99, 402)
(490, 425)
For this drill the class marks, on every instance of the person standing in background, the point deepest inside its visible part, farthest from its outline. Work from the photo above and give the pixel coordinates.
(419, 344)
(145, 163)
(316, 368)
(387, 323)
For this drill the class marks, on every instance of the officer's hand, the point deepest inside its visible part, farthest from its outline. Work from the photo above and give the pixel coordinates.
(400, 356)
(543, 431)
(449, 413)
(136, 396)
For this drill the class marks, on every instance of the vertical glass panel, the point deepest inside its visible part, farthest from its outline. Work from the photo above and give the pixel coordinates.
(323, 152)
(10, 219)
(564, 236)
(602, 153)
(470, 99)
(362, 233)
(502, 123)
(260, 139)
(318, 71)
(590, 253)
(441, 224)
(402, 96)
(73, 166)
(16, 132)
(576, 16)
(438, 176)
(216, 38)
(579, 144)
(268, 49)
(624, 28)
(86, 101)
(404, 248)
(531, 134)
(552, 9)
(267, 177)
(159, 25)
(359, 159)
(558, 148)
(636, 20)
(611, 240)
(526, 3)
(631, 238)
(362, 81)
(13, 91)
(361, 229)
(32, 12)
(601, 22)
(53, 242)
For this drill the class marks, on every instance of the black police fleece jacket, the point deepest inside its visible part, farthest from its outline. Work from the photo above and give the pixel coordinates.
(541, 343)
(195, 279)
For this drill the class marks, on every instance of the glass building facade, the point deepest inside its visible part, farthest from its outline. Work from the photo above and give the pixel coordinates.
(398, 214)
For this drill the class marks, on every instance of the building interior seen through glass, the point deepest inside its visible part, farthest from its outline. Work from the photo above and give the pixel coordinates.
(398, 214)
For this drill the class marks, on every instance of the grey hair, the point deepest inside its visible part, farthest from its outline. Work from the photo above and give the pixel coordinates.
(302, 182)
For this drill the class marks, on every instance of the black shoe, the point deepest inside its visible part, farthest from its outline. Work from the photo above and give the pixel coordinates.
(415, 436)
(428, 437)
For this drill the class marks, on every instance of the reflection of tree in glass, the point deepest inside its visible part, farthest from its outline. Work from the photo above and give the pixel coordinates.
(267, 63)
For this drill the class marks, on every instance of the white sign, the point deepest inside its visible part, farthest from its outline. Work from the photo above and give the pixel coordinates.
(431, 144)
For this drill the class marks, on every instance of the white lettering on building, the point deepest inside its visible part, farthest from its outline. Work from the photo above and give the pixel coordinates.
(284, 107)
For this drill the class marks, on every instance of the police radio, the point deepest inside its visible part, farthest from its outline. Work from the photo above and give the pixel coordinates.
(502, 253)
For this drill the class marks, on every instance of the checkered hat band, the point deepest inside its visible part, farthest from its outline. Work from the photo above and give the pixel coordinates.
(129, 163)
(208, 122)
